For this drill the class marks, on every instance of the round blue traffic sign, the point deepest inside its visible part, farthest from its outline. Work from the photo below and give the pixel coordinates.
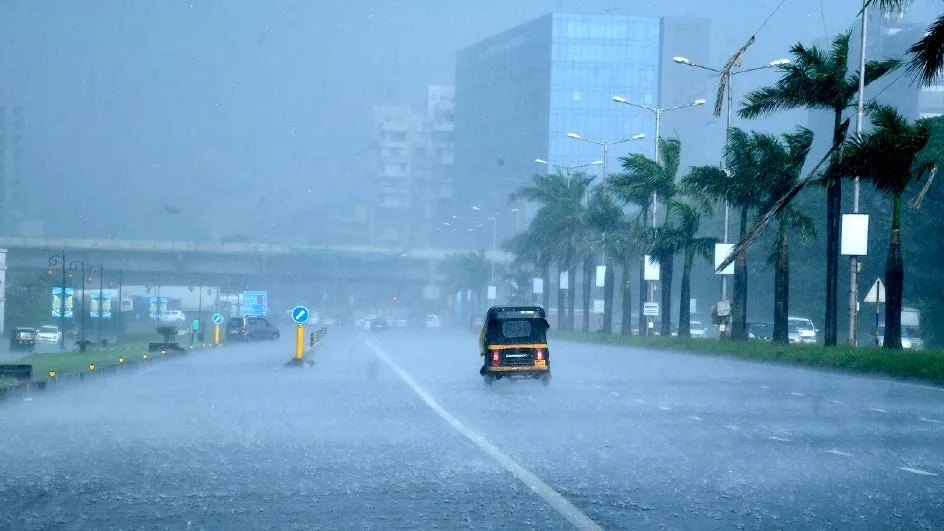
(300, 314)
(217, 318)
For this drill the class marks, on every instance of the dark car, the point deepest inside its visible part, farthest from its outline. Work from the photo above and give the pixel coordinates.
(251, 328)
(379, 325)
(23, 338)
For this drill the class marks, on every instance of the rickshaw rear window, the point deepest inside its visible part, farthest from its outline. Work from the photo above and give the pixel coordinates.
(513, 329)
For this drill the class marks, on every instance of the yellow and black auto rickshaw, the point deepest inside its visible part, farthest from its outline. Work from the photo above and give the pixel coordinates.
(513, 344)
(23, 338)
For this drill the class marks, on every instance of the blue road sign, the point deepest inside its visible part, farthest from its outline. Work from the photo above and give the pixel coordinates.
(217, 318)
(300, 314)
(254, 302)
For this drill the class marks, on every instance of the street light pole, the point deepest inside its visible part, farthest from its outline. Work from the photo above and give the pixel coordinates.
(59, 260)
(79, 265)
(729, 79)
(658, 111)
(101, 292)
(494, 220)
(860, 116)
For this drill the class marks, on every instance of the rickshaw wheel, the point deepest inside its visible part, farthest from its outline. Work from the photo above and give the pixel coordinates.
(546, 380)
(489, 380)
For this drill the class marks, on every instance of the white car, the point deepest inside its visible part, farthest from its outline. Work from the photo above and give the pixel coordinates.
(432, 321)
(48, 334)
(806, 328)
(173, 316)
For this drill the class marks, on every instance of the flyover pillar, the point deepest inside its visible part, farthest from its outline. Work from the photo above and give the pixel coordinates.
(3, 290)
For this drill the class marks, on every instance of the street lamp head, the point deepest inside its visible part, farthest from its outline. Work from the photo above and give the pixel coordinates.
(699, 102)
(540, 161)
(683, 61)
(619, 99)
(779, 62)
(596, 163)
(475, 208)
(640, 136)
(574, 135)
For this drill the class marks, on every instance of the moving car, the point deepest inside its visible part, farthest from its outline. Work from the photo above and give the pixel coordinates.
(251, 328)
(23, 338)
(48, 334)
(513, 344)
(173, 316)
(432, 321)
(379, 325)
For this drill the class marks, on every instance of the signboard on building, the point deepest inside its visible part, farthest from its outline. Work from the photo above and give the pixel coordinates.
(254, 302)
(57, 302)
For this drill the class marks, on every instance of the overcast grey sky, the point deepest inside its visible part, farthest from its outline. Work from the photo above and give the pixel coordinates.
(248, 114)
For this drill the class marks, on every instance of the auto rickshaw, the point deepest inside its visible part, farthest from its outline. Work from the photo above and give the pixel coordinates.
(513, 344)
(23, 338)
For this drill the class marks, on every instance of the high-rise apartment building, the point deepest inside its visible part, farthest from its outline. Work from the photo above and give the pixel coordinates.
(11, 138)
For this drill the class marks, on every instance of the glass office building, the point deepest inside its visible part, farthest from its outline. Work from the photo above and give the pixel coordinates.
(519, 93)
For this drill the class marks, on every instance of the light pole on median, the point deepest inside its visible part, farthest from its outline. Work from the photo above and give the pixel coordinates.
(727, 134)
(79, 265)
(59, 261)
(101, 292)
(658, 112)
(606, 147)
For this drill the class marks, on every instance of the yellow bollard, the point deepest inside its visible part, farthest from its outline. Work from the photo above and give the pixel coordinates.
(216, 335)
(52, 373)
(92, 367)
(299, 341)
(121, 360)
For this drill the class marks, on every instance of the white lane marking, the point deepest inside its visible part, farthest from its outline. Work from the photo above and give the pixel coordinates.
(917, 471)
(665, 408)
(878, 410)
(551, 496)
(838, 452)
(765, 388)
(775, 438)
(614, 393)
(837, 401)
(695, 417)
(731, 427)
(797, 394)
(933, 421)
(640, 401)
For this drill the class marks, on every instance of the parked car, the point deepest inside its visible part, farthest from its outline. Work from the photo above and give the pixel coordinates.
(379, 325)
(807, 330)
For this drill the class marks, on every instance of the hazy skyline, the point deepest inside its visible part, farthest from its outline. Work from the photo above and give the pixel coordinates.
(249, 115)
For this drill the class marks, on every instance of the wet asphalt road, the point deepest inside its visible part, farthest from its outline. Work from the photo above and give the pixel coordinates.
(629, 439)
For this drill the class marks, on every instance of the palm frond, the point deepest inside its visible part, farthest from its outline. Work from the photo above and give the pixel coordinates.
(764, 220)
(725, 77)
(928, 53)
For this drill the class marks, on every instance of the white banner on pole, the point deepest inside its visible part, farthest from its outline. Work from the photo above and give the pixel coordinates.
(537, 286)
(563, 283)
(722, 250)
(652, 269)
(601, 276)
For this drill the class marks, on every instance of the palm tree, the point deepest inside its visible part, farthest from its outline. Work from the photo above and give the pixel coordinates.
(927, 55)
(886, 157)
(687, 219)
(740, 187)
(782, 164)
(468, 271)
(816, 79)
(642, 178)
(559, 223)
(607, 226)
(664, 245)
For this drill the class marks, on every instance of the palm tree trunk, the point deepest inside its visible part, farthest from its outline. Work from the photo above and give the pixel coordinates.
(739, 306)
(894, 281)
(608, 294)
(643, 329)
(546, 294)
(561, 300)
(685, 316)
(833, 218)
(667, 265)
(626, 294)
(782, 286)
(587, 287)
(572, 292)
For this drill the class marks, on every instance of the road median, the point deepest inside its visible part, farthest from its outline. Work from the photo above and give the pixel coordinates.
(925, 365)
